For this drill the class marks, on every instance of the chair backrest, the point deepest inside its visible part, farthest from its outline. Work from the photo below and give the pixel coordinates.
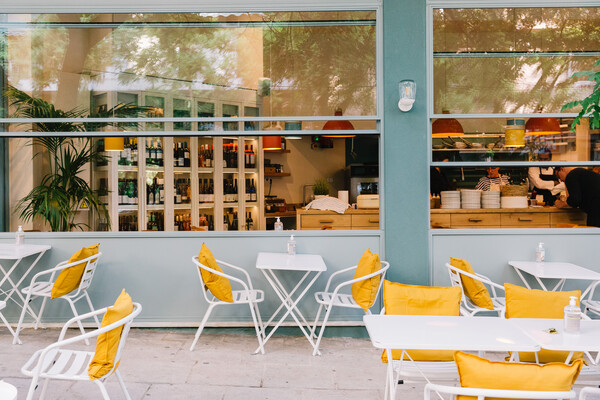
(481, 393)
(126, 323)
(384, 267)
(88, 272)
(457, 282)
(205, 290)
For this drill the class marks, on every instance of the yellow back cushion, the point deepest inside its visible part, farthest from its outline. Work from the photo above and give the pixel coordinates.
(218, 285)
(69, 278)
(474, 289)
(364, 292)
(533, 303)
(477, 372)
(402, 299)
(108, 342)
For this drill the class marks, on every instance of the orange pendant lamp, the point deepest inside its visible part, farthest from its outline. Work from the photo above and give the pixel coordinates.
(272, 142)
(114, 144)
(338, 125)
(446, 127)
(542, 126)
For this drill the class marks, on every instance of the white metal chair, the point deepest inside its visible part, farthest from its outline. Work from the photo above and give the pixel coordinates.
(40, 287)
(329, 299)
(468, 308)
(248, 295)
(58, 362)
(586, 391)
(10, 329)
(481, 393)
(590, 305)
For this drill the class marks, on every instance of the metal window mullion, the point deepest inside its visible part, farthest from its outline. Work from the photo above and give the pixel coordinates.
(190, 119)
(504, 115)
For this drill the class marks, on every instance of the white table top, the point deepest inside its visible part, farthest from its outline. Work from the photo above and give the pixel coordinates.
(587, 340)
(556, 270)
(7, 391)
(427, 332)
(9, 251)
(283, 261)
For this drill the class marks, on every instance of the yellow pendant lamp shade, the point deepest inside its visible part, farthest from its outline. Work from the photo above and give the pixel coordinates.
(542, 126)
(114, 144)
(446, 127)
(338, 126)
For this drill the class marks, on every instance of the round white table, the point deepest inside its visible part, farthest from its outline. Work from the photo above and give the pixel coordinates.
(7, 391)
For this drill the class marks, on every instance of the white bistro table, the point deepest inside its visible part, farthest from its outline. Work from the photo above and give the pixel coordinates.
(16, 253)
(274, 264)
(7, 391)
(426, 332)
(588, 339)
(555, 270)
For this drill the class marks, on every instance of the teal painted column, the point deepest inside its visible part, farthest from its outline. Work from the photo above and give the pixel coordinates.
(405, 149)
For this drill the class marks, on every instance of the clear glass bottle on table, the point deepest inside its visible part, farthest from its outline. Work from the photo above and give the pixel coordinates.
(540, 253)
(20, 236)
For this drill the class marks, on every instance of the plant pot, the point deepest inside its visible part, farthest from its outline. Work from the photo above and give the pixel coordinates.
(320, 196)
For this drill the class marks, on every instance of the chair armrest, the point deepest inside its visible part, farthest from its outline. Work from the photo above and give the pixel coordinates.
(62, 265)
(362, 278)
(224, 275)
(508, 394)
(336, 273)
(242, 270)
(593, 289)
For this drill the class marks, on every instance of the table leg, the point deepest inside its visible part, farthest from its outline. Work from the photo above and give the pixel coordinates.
(277, 285)
(522, 277)
(559, 285)
(390, 393)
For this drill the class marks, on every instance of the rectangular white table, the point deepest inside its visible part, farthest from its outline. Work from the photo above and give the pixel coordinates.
(274, 264)
(12, 253)
(588, 339)
(426, 332)
(555, 270)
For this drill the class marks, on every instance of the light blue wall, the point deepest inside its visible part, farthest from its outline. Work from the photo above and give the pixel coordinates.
(156, 269)
(406, 169)
(489, 251)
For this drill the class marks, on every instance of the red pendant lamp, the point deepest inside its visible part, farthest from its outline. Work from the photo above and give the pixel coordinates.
(542, 126)
(272, 142)
(338, 125)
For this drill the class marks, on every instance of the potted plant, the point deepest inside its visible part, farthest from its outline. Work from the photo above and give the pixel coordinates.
(590, 106)
(320, 188)
(62, 190)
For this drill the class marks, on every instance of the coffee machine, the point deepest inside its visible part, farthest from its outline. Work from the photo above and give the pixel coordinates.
(362, 179)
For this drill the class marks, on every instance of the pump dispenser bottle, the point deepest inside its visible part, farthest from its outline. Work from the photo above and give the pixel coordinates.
(20, 236)
(572, 316)
(278, 225)
(291, 246)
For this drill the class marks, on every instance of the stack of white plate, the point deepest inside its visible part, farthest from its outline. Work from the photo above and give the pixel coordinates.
(450, 199)
(514, 201)
(470, 198)
(490, 199)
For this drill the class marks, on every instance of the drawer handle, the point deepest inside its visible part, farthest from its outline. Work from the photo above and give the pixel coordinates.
(525, 219)
(475, 220)
(374, 221)
(326, 221)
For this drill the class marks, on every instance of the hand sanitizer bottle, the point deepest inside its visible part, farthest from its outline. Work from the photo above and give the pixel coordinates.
(19, 236)
(540, 253)
(291, 246)
(572, 316)
(278, 225)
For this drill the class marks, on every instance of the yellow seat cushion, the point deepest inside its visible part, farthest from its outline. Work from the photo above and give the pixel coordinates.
(69, 278)
(475, 290)
(533, 303)
(365, 292)
(400, 299)
(218, 285)
(477, 372)
(108, 342)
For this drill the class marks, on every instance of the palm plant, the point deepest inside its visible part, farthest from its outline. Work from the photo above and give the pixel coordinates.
(590, 106)
(61, 190)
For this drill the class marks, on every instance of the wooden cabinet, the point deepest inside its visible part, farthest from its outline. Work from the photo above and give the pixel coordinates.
(325, 220)
(548, 217)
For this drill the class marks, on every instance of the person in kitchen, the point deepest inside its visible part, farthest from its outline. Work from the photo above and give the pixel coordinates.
(438, 181)
(583, 191)
(493, 180)
(543, 181)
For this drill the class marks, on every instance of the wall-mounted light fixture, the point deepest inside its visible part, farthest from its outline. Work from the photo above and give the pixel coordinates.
(408, 93)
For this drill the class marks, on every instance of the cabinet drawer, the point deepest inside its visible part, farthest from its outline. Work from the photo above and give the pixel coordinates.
(440, 221)
(525, 219)
(474, 220)
(568, 217)
(327, 221)
(365, 221)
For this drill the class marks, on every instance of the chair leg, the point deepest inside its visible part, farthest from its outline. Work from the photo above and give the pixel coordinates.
(122, 383)
(316, 350)
(44, 388)
(32, 387)
(313, 331)
(102, 389)
(201, 327)
(38, 320)
(87, 342)
(259, 332)
(89, 301)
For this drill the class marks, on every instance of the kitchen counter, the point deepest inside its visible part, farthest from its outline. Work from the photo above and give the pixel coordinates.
(351, 219)
(532, 217)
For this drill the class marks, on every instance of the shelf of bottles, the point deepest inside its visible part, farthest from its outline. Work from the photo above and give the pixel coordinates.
(251, 177)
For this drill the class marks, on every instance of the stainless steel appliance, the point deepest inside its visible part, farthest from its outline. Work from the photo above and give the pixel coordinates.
(362, 179)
